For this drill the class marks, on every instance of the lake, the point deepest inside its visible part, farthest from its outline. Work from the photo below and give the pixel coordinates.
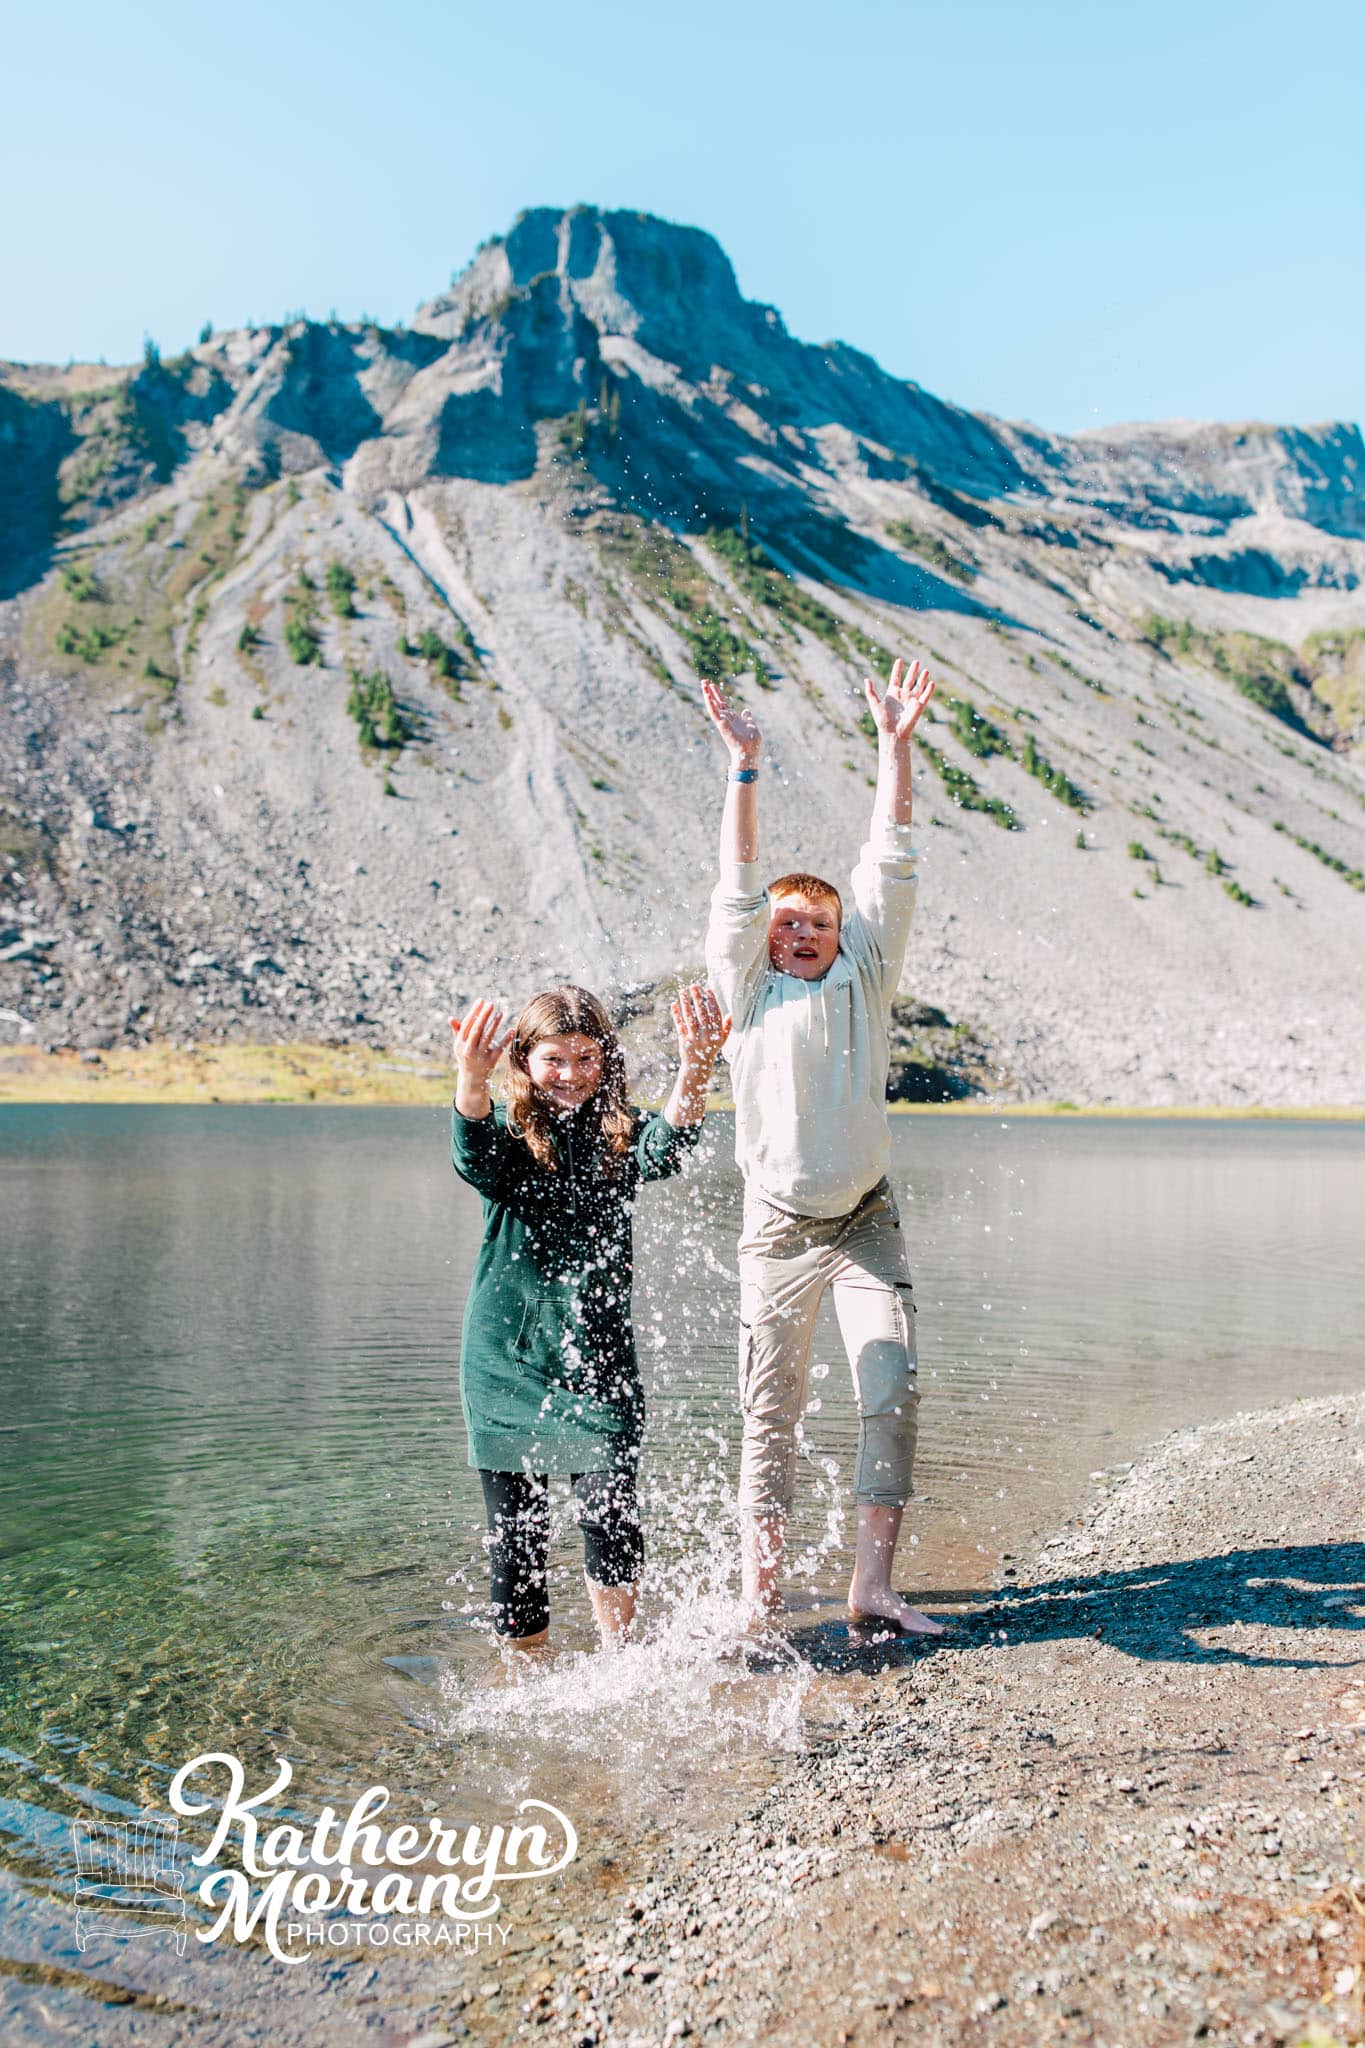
(235, 1504)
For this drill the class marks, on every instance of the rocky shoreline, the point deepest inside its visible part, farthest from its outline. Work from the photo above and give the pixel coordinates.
(1122, 1803)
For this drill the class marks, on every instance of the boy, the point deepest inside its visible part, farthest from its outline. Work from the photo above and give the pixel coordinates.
(808, 991)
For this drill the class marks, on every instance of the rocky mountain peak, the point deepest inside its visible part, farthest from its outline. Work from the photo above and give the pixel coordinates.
(671, 289)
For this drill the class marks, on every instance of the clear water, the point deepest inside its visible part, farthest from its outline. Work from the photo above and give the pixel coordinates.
(234, 1501)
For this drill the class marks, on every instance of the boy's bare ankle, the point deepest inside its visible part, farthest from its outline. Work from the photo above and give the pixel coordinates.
(758, 1607)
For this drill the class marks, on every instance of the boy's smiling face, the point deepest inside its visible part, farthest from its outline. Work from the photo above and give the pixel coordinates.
(803, 936)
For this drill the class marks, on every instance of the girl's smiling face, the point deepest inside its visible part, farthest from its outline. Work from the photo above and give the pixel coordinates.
(567, 1071)
(803, 936)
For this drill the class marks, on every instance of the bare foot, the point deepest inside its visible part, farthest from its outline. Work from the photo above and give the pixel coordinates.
(760, 1611)
(876, 1603)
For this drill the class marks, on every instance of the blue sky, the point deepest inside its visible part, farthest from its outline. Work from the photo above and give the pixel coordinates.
(1074, 214)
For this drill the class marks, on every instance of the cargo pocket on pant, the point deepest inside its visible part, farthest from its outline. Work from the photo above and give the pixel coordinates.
(746, 1363)
(905, 1303)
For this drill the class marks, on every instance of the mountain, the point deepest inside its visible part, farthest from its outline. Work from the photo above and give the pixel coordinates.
(349, 671)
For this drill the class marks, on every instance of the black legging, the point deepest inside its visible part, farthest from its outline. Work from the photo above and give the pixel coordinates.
(518, 1505)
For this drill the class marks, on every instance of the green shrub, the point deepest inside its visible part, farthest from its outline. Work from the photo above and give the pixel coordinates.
(90, 644)
(373, 706)
(1239, 895)
(431, 647)
(976, 731)
(81, 582)
(341, 590)
(248, 640)
(301, 638)
(966, 792)
(1137, 851)
(444, 661)
(1061, 786)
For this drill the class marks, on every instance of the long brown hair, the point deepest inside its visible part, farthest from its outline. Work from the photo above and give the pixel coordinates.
(562, 1013)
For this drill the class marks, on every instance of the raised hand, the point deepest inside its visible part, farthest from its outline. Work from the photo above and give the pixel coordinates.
(702, 1031)
(477, 1047)
(900, 710)
(735, 723)
(701, 1028)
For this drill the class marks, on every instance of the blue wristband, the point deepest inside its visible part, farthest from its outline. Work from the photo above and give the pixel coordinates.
(744, 775)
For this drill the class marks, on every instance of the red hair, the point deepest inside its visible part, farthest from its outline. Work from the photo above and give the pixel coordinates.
(813, 886)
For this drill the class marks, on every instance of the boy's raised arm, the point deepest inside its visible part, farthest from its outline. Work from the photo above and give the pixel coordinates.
(737, 932)
(884, 880)
(738, 728)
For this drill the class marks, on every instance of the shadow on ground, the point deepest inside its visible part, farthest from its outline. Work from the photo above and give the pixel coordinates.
(1158, 1613)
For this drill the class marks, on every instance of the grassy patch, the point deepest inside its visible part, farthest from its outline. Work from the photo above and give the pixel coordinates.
(1329, 860)
(932, 550)
(966, 793)
(1259, 669)
(227, 1073)
(119, 623)
(673, 583)
(763, 583)
(1334, 664)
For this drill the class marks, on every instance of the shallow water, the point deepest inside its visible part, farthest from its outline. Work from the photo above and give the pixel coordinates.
(234, 1500)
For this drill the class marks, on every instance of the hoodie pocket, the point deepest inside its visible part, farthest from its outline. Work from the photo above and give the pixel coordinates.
(536, 1320)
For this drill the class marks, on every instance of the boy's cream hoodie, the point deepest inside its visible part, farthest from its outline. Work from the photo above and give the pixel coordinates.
(809, 1059)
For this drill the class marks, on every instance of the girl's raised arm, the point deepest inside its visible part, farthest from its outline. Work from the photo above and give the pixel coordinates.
(478, 1049)
(702, 1031)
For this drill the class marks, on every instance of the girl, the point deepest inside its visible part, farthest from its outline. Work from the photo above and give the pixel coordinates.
(548, 1374)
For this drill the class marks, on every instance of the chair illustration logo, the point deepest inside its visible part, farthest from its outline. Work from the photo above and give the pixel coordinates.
(127, 1880)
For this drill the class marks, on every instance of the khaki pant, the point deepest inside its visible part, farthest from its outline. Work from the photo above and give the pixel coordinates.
(785, 1264)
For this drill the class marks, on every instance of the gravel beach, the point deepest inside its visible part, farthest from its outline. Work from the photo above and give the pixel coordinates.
(1120, 1804)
